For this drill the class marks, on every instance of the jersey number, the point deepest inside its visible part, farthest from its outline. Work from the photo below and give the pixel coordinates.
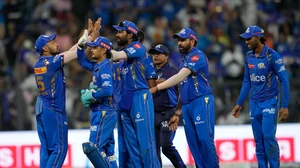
(41, 85)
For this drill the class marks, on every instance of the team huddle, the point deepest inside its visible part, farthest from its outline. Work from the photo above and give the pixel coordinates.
(144, 95)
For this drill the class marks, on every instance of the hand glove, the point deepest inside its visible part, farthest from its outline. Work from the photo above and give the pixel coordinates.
(87, 97)
(83, 40)
(92, 86)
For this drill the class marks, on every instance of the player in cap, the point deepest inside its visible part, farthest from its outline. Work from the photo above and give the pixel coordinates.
(136, 125)
(100, 98)
(165, 102)
(196, 98)
(263, 68)
(52, 125)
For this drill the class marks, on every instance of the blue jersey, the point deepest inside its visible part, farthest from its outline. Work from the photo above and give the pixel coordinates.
(198, 82)
(150, 69)
(118, 87)
(103, 79)
(50, 80)
(260, 77)
(133, 70)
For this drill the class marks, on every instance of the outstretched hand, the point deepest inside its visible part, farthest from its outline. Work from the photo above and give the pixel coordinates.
(83, 40)
(96, 29)
(90, 27)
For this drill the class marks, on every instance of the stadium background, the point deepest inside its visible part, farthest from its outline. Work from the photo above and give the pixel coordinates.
(216, 22)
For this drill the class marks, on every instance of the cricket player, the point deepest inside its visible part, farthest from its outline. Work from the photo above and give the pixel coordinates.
(165, 102)
(136, 103)
(196, 98)
(263, 68)
(99, 97)
(151, 76)
(52, 125)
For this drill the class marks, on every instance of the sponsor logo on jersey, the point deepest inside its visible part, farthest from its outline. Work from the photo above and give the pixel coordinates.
(261, 65)
(257, 78)
(41, 70)
(282, 68)
(46, 62)
(279, 61)
(105, 76)
(124, 71)
(191, 64)
(137, 46)
(250, 66)
(131, 50)
(195, 58)
(106, 83)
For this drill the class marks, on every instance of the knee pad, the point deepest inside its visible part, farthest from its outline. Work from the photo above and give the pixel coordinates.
(96, 158)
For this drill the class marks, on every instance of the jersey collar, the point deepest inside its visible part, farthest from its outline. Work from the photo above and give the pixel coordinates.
(191, 53)
(262, 53)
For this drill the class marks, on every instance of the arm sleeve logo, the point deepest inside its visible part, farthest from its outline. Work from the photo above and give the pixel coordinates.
(195, 58)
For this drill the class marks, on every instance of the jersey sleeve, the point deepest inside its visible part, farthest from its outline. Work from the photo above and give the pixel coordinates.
(83, 61)
(195, 63)
(150, 70)
(245, 86)
(57, 62)
(280, 71)
(106, 88)
(137, 50)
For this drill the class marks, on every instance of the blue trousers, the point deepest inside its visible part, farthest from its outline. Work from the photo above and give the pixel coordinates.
(263, 118)
(52, 129)
(137, 128)
(102, 132)
(198, 120)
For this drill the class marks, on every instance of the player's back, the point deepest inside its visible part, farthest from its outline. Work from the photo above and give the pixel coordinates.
(50, 82)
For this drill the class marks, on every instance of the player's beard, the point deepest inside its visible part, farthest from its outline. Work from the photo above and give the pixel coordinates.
(184, 50)
(122, 42)
(54, 51)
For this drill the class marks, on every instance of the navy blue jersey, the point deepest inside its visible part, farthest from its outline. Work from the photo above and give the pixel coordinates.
(198, 82)
(133, 70)
(50, 80)
(166, 98)
(103, 79)
(260, 77)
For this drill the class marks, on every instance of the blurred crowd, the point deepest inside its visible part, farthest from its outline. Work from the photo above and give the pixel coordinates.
(217, 23)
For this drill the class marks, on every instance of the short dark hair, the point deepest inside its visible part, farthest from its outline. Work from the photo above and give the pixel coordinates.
(108, 54)
(134, 36)
(262, 40)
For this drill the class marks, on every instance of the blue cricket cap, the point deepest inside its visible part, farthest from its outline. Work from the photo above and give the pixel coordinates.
(159, 49)
(252, 31)
(42, 41)
(127, 25)
(101, 42)
(186, 33)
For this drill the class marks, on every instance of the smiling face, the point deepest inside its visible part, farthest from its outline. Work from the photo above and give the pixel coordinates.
(122, 38)
(252, 42)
